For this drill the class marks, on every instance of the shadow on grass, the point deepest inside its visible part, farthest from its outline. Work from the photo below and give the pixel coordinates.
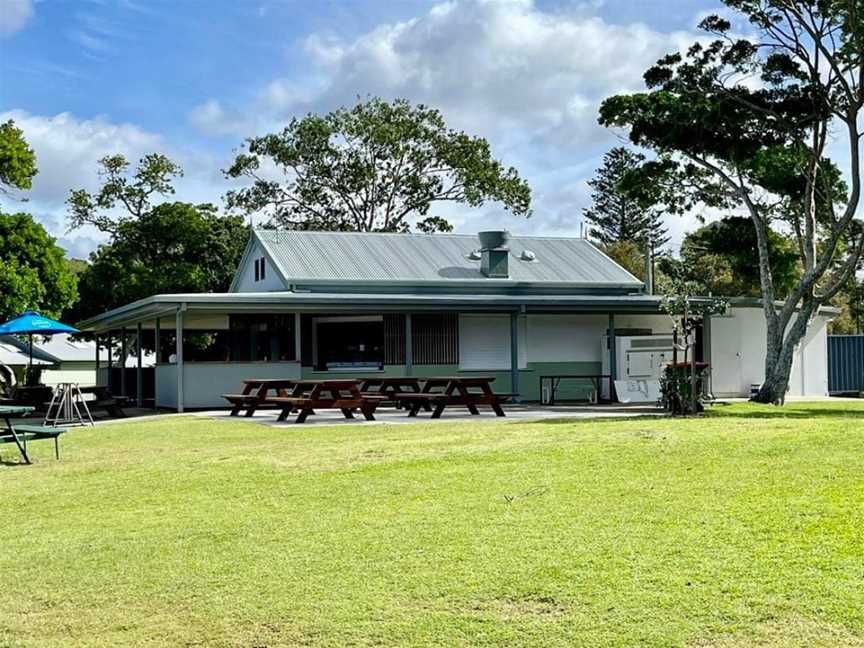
(564, 420)
(788, 413)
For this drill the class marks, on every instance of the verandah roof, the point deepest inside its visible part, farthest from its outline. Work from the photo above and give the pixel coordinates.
(165, 305)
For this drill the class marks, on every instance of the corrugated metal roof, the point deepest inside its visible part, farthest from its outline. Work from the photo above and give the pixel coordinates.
(434, 258)
(12, 356)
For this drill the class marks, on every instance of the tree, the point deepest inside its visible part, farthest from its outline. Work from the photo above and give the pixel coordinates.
(722, 256)
(132, 194)
(851, 302)
(172, 248)
(683, 300)
(614, 215)
(17, 159)
(629, 254)
(376, 167)
(34, 274)
(722, 139)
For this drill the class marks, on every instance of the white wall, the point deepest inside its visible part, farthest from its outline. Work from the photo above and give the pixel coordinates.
(80, 376)
(166, 386)
(205, 382)
(738, 355)
(565, 338)
(247, 283)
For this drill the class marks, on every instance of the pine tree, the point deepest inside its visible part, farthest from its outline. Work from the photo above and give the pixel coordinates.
(613, 217)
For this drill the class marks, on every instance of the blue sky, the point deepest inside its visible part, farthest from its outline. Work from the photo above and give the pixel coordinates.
(192, 78)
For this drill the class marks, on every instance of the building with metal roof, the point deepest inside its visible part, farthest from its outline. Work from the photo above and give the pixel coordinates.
(314, 304)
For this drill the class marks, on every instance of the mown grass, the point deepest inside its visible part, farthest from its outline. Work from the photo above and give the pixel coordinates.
(742, 528)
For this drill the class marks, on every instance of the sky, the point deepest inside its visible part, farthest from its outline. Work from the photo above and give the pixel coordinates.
(194, 78)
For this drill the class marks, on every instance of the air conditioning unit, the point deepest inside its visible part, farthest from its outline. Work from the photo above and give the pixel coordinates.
(640, 360)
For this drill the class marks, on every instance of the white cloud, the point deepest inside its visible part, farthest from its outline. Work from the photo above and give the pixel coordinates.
(505, 68)
(68, 149)
(529, 80)
(213, 118)
(67, 153)
(14, 14)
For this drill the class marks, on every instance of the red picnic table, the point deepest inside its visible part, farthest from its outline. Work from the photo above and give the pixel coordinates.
(442, 392)
(340, 394)
(254, 394)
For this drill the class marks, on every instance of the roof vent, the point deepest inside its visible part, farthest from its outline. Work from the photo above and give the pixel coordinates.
(492, 239)
(528, 255)
(494, 254)
(474, 255)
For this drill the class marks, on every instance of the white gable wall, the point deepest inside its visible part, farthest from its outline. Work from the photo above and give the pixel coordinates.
(738, 355)
(246, 277)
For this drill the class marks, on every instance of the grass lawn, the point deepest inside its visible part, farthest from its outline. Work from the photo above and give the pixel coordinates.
(742, 528)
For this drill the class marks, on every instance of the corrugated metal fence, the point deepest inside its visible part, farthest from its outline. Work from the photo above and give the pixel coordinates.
(845, 363)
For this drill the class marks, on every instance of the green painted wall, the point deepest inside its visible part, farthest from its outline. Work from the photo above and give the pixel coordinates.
(529, 378)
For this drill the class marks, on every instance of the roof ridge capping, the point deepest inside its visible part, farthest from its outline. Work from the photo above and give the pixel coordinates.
(533, 237)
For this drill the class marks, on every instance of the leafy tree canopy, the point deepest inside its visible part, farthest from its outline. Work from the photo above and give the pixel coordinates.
(615, 216)
(131, 193)
(850, 300)
(34, 274)
(760, 147)
(629, 254)
(172, 248)
(722, 257)
(377, 166)
(17, 159)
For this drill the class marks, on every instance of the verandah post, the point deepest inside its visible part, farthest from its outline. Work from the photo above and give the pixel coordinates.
(297, 354)
(409, 347)
(123, 355)
(157, 343)
(514, 356)
(178, 350)
(139, 384)
(613, 358)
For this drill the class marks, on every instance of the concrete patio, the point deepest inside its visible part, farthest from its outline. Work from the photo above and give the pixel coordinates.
(393, 416)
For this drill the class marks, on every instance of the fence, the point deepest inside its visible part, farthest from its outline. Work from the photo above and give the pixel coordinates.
(845, 364)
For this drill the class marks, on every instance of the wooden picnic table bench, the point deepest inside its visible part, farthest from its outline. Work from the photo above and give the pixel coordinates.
(103, 399)
(392, 387)
(255, 394)
(442, 392)
(19, 434)
(339, 394)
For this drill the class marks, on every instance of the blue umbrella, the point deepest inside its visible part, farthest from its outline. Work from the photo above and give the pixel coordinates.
(31, 323)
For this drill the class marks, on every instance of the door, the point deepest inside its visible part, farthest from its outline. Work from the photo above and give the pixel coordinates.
(726, 370)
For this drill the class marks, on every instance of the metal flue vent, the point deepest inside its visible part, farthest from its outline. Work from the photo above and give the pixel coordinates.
(494, 254)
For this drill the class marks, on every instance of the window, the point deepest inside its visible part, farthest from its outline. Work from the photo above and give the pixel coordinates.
(484, 342)
(260, 273)
(349, 343)
(435, 339)
(262, 338)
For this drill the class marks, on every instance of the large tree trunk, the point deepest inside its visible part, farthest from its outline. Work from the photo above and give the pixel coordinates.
(781, 348)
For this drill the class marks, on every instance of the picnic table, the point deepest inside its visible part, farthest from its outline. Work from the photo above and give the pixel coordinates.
(255, 394)
(105, 400)
(341, 394)
(455, 391)
(20, 434)
(392, 387)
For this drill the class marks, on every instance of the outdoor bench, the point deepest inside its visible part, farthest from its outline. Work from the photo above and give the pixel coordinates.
(27, 433)
(307, 406)
(460, 391)
(254, 395)
(103, 399)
